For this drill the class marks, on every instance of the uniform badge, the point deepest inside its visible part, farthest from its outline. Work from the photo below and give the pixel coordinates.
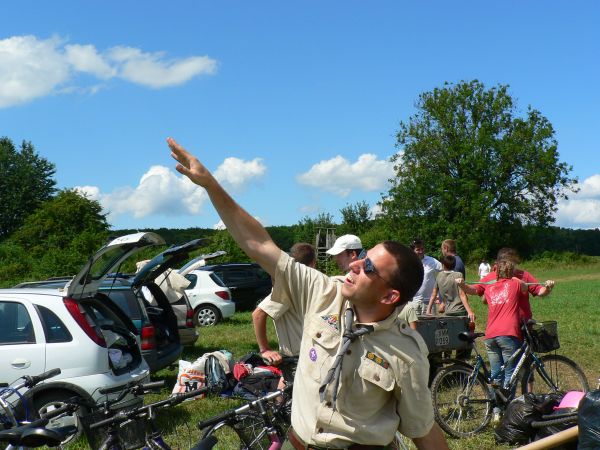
(378, 360)
(333, 320)
(312, 354)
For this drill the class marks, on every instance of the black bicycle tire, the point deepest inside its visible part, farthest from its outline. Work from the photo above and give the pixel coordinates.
(550, 363)
(461, 373)
(246, 442)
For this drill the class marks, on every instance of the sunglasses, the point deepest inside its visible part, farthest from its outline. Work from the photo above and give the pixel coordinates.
(369, 268)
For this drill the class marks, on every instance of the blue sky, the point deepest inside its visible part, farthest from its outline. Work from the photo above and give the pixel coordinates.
(294, 105)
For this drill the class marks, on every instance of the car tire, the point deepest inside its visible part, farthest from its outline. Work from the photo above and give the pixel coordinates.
(206, 316)
(47, 401)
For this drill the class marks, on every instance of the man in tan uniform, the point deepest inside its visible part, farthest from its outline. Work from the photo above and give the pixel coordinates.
(288, 319)
(382, 385)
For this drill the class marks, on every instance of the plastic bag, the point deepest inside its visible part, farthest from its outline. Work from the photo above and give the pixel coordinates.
(589, 421)
(515, 426)
(553, 429)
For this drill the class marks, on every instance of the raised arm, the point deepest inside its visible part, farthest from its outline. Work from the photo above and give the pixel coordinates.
(249, 234)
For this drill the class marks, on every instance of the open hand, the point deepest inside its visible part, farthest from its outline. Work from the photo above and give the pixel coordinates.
(189, 165)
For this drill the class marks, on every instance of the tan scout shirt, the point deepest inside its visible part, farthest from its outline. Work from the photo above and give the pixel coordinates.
(383, 386)
(288, 324)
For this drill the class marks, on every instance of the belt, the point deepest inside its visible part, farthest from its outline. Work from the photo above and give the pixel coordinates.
(299, 444)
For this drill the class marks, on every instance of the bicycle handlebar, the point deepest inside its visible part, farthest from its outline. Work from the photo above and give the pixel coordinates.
(246, 407)
(123, 416)
(32, 380)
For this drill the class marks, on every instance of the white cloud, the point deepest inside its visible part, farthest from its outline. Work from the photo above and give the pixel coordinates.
(219, 226)
(150, 70)
(164, 192)
(582, 210)
(340, 176)
(235, 173)
(85, 58)
(31, 68)
(590, 187)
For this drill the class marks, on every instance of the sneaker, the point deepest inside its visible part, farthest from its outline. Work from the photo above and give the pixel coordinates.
(496, 413)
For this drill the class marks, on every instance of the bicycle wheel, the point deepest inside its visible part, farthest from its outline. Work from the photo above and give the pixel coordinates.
(246, 432)
(462, 402)
(556, 370)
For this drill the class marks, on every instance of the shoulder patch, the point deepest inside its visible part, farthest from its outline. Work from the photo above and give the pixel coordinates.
(377, 359)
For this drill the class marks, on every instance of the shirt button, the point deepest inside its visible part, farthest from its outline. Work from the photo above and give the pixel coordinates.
(320, 430)
(328, 404)
(376, 377)
(403, 325)
(348, 352)
(318, 335)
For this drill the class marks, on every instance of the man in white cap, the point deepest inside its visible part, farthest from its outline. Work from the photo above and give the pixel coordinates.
(346, 248)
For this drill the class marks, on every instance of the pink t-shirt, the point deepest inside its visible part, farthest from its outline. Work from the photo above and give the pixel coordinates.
(524, 306)
(503, 308)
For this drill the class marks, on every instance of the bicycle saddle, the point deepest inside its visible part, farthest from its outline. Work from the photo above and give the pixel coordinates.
(469, 336)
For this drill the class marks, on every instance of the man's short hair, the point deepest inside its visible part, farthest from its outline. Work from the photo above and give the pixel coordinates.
(448, 261)
(408, 276)
(450, 245)
(509, 253)
(303, 253)
(417, 242)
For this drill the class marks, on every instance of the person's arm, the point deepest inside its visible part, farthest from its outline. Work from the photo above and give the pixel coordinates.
(465, 287)
(434, 440)
(249, 234)
(546, 289)
(433, 298)
(465, 302)
(259, 320)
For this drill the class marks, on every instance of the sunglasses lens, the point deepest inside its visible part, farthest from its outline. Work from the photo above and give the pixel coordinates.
(368, 266)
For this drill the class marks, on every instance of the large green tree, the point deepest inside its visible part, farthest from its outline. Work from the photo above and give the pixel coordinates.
(26, 181)
(62, 233)
(472, 167)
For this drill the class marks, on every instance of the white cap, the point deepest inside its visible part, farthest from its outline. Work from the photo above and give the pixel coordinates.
(345, 242)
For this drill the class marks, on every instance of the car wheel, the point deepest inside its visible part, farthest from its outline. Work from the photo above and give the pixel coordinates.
(207, 316)
(49, 401)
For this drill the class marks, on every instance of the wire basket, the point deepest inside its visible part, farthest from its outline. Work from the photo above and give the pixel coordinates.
(132, 433)
(544, 336)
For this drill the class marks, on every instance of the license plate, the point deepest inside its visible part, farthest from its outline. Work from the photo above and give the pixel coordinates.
(441, 337)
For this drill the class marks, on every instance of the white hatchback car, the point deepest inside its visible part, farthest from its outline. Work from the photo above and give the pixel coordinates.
(76, 329)
(209, 297)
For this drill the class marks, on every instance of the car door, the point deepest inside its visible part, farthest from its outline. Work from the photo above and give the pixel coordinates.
(22, 342)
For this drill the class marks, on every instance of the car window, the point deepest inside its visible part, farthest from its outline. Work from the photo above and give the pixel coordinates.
(193, 279)
(54, 329)
(16, 325)
(125, 299)
(261, 274)
(239, 275)
(213, 276)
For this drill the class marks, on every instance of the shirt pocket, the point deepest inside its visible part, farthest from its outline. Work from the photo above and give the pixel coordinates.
(323, 343)
(377, 375)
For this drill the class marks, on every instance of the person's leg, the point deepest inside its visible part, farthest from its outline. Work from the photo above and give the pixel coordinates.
(495, 356)
(509, 345)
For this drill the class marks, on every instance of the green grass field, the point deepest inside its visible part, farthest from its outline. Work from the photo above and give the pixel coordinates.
(573, 304)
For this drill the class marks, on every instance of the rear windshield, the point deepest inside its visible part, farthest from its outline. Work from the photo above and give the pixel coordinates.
(125, 299)
(216, 279)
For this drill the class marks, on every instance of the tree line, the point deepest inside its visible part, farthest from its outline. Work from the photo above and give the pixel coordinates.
(470, 166)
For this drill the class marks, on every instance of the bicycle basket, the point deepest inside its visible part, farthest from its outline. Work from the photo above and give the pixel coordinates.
(132, 433)
(544, 336)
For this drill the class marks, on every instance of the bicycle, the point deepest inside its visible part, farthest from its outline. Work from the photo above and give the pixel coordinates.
(36, 433)
(13, 401)
(143, 415)
(464, 395)
(261, 424)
